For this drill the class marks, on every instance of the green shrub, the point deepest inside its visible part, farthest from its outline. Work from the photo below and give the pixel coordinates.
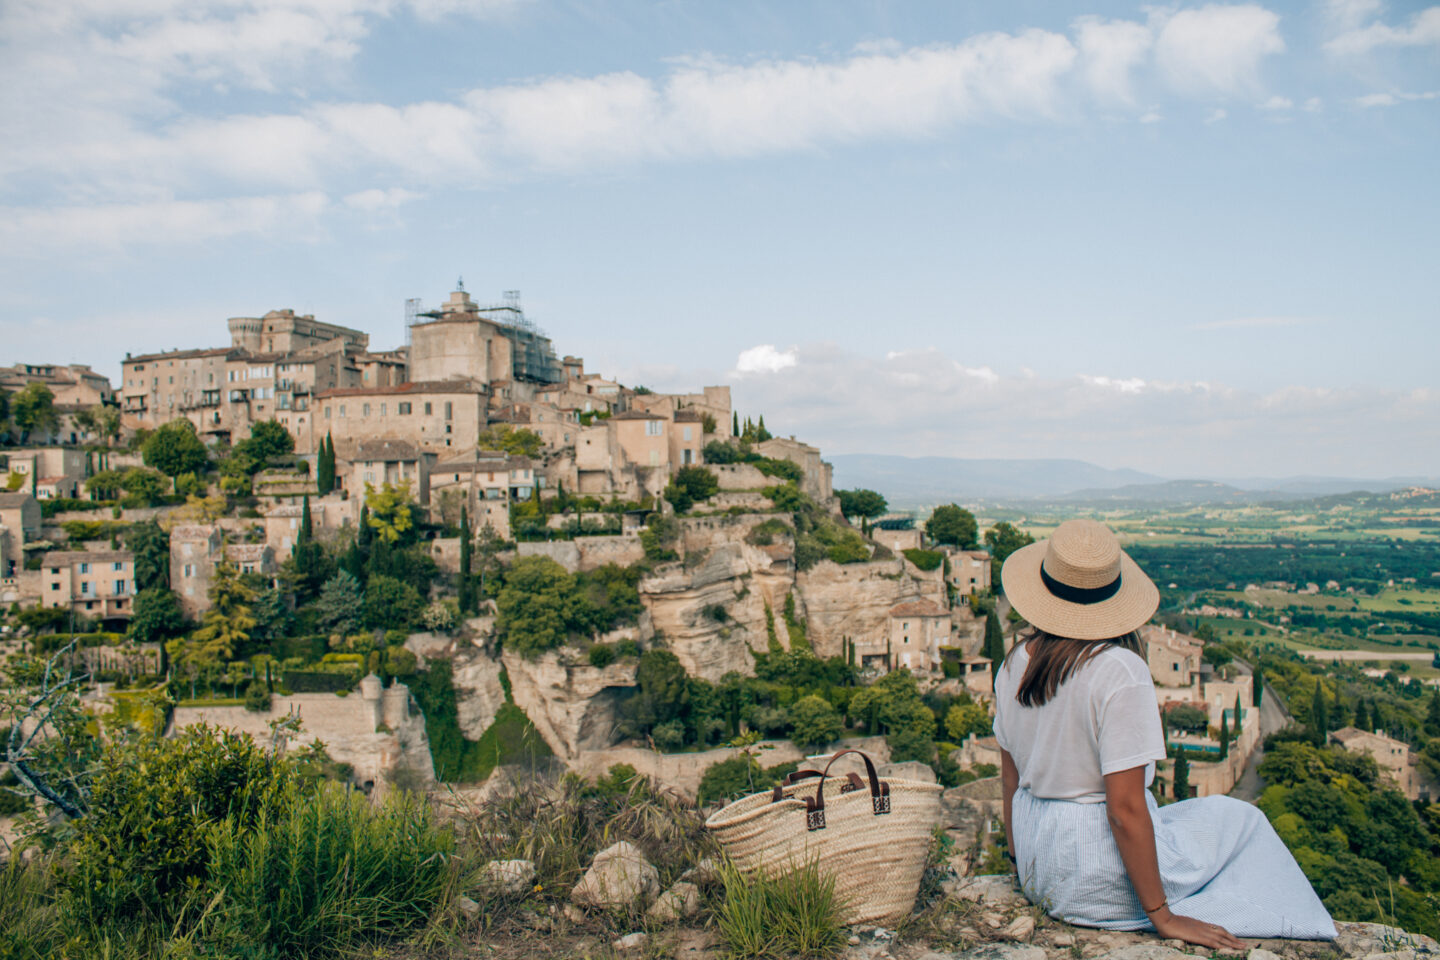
(49, 508)
(784, 914)
(257, 697)
(336, 872)
(601, 655)
(926, 560)
(738, 776)
(784, 469)
(764, 533)
(320, 681)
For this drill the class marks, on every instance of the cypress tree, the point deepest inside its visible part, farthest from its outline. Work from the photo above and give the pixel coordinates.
(1182, 777)
(1432, 715)
(1362, 716)
(734, 423)
(760, 432)
(466, 597)
(325, 466)
(1259, 689)
(365, 534)
(1224, 736)
(994, 646)
(1239, 713)
(1319, 717)
(306, 531)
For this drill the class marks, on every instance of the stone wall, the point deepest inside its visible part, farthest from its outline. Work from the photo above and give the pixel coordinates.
(682, 771)
(588, 553)
(704, 533)
(741, 476)
(854, 600)
(347, 726)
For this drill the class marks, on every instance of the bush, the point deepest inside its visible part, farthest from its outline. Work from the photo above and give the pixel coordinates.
(320, 681)
(738, 776)
(49, 508)
(926, 560)
(601, 655)
(784, 469)
(764, 533)
(257, 697)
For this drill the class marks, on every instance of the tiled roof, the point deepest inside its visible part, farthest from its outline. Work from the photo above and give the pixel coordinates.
(14, 499)
(182, 354)
(471, 387)
(918, 608)
(637, 415)
(689, 416)
(386, 450)
(55, 557)
(246, 551)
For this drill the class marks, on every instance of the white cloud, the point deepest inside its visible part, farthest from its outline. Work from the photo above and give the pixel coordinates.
(168, 222)
(1391, 99)
(1236, 322)
(1217, 49)
(1109, 52)
(1215, 114)
(1151, 116)
(1275, 103)
(372, 200)
(764, 359)
(1313, 105)
(1422, 30)
(1125, 385)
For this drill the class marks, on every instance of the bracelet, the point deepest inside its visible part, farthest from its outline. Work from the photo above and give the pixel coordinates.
(1163, 904)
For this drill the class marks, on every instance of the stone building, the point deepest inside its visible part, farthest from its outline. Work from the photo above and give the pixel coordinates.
(817, 480)
(19, 525)
(194, 551)
(486, 482)
(970, 572)
(463, 340)
(99, 584)
(1174, 658)
(433, 415)
(916, 630)
(378, 462)
(73, 385)
(1392, 756)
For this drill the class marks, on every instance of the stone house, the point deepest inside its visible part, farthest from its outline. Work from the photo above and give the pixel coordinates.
(194, 550)
(916, 630)
(48, 472)
(433, 415)
(1174, 658)
(897, 535)
(687, 438)
(282, 522)
(487, 482)
(377, 462)
(970, 572)
(19, 525)
(817, 480)
(711, 401)
(1392, 756)
(99, 584)
(643, 438)
(73, 385)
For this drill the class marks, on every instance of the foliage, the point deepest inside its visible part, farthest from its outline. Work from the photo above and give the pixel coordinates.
(104, 484)
(954, 525)
(926, 560)
(814, 723)
(690, 486)
(142, 487)
(226, 626)
(257, 697)
(738, 776)
(718, 451)
(341, 604)
(863, 503)
(33, 408)
(764, 533)
(994, 646)
(511, 739)
(389, 509)
(790, 913)
(964, 719)
(892, 704)
(267, 439)
(174, 448)
(507, 439)
(325, 466)
(390, 603)
(1187, 718)
(157, 616)
(537, 605)
(1004, 539)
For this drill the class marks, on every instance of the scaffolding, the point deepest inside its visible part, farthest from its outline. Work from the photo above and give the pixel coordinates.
(532, 355)
(413, 311)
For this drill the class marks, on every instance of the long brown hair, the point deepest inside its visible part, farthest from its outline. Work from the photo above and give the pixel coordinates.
(1053, 660)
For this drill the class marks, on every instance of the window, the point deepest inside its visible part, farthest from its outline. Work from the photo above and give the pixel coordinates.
(687, 434)
(327, 413)
(449, 410)
(382, 409)
(55, 586)
(342, 411)
(85, 588)
(686, 458)
(84, 568)
(118, 565)
(654, 458)
(427, 410)
(119, 587)
(447, 430)
(365, 410)
(652, 428)
(189, 569)
(403, 409)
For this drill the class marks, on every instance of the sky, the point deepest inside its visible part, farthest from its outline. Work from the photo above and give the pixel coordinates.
(1191, 239)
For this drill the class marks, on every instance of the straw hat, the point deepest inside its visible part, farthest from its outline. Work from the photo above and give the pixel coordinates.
(1079, 584)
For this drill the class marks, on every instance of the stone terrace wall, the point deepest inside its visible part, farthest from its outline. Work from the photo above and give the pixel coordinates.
(741, 476)
(704, 533)
(588, 553)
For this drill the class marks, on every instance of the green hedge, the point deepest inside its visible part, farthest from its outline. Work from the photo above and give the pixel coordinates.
(925, 559)
(48, 508)
(50, 642)
(319, 681)
(308, 648)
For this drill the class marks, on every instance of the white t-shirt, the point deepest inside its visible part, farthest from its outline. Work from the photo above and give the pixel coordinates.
(1102, 720)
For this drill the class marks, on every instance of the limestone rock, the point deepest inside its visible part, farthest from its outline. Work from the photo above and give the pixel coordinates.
(907, 770)
(1147, 951)
(469, 907)
(854, 599)
(1261, 954)
(991, 891)
(574, 706)
(991, 951)
(682, 900)
(619, 878)
(1064, 940)
(1021, 928)
(631, 941)
(478, 693)
(509, 877)
(1364, 939)
(705, 873)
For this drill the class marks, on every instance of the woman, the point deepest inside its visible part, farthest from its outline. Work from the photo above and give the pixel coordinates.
(1079, 730)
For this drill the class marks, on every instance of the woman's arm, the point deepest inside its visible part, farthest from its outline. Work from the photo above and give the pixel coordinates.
(1129, 817)
(1009, 780)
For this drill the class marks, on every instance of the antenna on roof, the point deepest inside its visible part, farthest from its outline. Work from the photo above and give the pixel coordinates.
(460, 284)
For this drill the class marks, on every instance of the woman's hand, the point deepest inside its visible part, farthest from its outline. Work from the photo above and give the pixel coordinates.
(1172, 926)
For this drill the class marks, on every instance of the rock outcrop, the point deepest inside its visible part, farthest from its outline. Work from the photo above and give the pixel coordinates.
(619, 878)
(854, 600)
(479, 694)
(573, 705)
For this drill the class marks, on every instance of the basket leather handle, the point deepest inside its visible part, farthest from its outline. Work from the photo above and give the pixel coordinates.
(853, 783)
(879, 793)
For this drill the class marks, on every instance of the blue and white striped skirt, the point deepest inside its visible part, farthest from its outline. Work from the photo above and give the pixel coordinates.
(1220, 861)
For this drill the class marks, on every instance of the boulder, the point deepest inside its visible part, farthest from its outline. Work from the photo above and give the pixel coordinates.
(1364, 939)
(907, 770)
(469, 907)
(619, 878)
(991, 891)
(705, 873)
(1021, 928)
(1147, 951)
(512, 878)
(681, 901)
(631, 941)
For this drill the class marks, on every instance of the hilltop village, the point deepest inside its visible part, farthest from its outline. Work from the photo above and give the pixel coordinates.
(505, 557)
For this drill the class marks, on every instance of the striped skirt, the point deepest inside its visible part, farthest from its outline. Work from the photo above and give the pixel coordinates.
(1220, 861)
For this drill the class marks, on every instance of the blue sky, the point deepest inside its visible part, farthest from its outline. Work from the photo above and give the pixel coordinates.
(1190, 239)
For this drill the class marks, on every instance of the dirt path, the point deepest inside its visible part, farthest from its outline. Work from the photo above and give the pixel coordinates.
(1273, 717)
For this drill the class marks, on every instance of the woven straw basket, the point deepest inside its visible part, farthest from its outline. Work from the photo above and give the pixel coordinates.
(872, 836)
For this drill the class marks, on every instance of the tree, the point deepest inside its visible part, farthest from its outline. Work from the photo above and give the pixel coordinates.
(272, 615)
(1187, 718)
(33, 408)
(761, 434)
(1004, 539)
(226, 626)
(1182, 777)
(862, 503)
(1224, 736)
(892, 704)
(661, 688)
(1259, 688)
(1362, 717)
(150, 544)
(814, 723)
(467, 587)
(994, 647)
(506, 439)
(1216, 655)
(268, 439)
(341, 604)
(1432, 714)
(391, 605)
(1239, 714)
(734, 423)
(157, 616)
(967, 718)
(104, 484)
(1319, 717)
(536, 606)
(141, 485)
(691, 485)
(389, 511)
(954, 525)
(174, 448)
(325, 466)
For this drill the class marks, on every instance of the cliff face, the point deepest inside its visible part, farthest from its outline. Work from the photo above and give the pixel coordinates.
(574, 706)
(854, 600)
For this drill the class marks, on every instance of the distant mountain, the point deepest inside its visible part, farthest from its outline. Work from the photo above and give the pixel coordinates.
(926, 481)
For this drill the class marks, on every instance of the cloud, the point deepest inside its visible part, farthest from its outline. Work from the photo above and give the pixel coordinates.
(372, 200)
(1391, 99)
(123, 225)
(1423, 30)
(1275, 103)
(1215, 114)
(1217, 49)
(1109, 52)
(763, 359)
(925, 403)
(1151, 116)
(1240, 322)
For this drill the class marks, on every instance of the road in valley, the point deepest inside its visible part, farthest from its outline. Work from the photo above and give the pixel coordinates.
(1273, 717)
